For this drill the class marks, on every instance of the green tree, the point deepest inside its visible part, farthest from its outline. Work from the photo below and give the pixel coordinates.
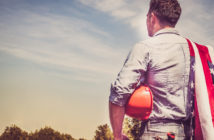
(14, 133)
(132, 128)
(103, 132)
(48, 133)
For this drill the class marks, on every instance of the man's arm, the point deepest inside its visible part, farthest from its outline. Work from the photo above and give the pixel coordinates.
(116, 117)
(127, 80)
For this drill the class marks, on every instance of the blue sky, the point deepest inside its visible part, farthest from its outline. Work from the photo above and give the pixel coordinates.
(58, 58)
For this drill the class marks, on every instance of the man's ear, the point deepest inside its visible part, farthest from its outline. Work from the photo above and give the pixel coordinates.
(153, 18)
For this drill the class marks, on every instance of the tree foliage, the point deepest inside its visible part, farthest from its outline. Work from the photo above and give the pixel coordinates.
(132, 128)
(82, 139)
(47, 133)
(103, 132)
(14, 133)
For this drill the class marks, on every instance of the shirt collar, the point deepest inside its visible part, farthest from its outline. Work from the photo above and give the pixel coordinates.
(167, 31)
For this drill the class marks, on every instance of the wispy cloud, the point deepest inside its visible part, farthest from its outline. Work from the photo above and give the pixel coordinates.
(196, 21)
(128, 12)
(74, 43)
(67, 42)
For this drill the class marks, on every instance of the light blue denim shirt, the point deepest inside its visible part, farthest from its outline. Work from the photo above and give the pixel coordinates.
(163, 63)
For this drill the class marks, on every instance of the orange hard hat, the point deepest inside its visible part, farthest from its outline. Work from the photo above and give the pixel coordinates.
(140, 103)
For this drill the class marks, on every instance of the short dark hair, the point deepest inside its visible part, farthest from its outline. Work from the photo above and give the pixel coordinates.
(167, 11)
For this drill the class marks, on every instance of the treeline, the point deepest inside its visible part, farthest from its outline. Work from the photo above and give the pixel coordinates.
(15, 133)
(103, 132)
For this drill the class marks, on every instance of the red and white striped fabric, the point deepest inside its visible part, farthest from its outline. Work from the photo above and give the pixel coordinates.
(204, 90)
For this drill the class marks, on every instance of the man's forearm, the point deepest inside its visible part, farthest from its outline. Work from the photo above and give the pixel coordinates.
(116, 117)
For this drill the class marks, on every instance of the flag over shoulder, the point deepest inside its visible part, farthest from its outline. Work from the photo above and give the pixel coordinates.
(204, 90)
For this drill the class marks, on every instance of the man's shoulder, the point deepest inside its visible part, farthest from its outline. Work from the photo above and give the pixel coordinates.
(155, 40)
(147, 42)
(164, 39)
(146, 45)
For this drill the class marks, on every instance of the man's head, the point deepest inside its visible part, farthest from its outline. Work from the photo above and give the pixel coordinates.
(162, 14)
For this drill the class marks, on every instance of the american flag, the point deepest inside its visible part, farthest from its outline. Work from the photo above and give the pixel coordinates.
(202, 87)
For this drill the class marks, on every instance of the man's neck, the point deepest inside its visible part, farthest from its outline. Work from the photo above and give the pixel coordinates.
(160, 28)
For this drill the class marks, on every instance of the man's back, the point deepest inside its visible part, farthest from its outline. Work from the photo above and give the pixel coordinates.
(167, 74)
(162, 63)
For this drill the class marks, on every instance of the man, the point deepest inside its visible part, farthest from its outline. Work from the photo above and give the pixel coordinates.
(162, 63)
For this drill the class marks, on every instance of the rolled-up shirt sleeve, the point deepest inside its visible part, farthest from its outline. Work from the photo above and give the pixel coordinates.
(130, 76)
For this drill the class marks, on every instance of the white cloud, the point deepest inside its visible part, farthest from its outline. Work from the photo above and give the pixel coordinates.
(196, 21)
(62, 41)
(74, 43)
(119, 9)
(123, 13)
(104, 5)
(129, 12)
